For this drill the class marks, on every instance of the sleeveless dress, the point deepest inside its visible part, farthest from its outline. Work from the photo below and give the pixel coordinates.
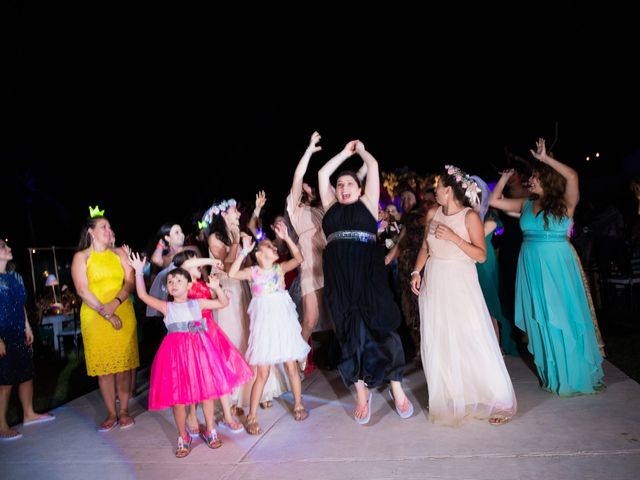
(187, 368)
(106, 349)
(225, 352)
(489, 282)
(307, 222)
(234, 322)
(466, 374)
(552, 307)
(17, 365)
(276, 335)
(361, 302)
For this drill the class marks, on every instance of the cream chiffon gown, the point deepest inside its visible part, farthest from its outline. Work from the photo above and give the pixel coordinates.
(466, 374)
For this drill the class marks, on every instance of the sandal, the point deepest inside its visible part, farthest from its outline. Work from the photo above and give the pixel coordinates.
(408, 411)
(211, 438)
(497, 421)
(300, 414)
(267, 404)
(194, 432)
(253, 427)
(233, 427)
(364, 420)
(184, 446)
(8, 435)
(126, 421)
(108, 424)
(237, 411)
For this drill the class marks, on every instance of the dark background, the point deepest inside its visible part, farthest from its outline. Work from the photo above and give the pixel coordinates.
(154, 114)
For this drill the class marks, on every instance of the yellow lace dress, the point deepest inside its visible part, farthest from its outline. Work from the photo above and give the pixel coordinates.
(108, 350)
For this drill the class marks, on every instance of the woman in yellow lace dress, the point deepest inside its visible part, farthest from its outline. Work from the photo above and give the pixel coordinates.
(104, 279)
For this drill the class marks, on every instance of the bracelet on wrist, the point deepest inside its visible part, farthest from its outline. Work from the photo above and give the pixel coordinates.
(244, 252)
(118, 299)
(415, 272)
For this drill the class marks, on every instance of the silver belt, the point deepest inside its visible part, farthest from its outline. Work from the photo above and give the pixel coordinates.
(199, 326)
(354, 235)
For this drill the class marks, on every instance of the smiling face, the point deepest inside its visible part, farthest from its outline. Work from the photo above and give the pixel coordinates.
(535, 186)
(347, 189)
(101, 233)
(175, 237)
(231, 216)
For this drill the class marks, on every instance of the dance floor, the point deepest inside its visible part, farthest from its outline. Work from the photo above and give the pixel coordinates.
(586, 437)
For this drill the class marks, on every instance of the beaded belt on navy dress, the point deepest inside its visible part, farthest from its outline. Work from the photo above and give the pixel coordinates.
(354, 235)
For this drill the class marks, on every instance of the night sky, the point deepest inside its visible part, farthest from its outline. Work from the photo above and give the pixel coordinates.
(121, 109)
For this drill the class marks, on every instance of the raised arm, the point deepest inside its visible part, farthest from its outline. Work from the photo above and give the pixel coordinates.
(497, 200)
(221, 300)
(283, 234)
(327, 194)
(372, 184)
(138, 266)
(572, 192)
(234, 270)
(254, 221)
(301, 169)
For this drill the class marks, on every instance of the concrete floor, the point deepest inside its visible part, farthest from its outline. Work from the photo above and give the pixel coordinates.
(587, 437)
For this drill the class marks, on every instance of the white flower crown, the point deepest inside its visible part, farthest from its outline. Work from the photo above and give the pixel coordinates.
(469, 186)
(217, 209)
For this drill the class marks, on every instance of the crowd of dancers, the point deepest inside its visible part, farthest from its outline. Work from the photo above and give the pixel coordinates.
(236, 336)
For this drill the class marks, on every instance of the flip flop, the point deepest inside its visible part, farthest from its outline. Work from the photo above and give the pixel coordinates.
(225, 426)
(127, 424)
(365, 420)
(108, 426)
(405, 414)
(12, 436)
(42, 418)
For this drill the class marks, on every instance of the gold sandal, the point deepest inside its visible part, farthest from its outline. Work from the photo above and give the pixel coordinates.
(497, 421)
(300, 414)
(253, 427)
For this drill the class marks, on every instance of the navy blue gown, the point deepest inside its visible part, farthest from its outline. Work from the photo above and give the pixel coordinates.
(17, 365)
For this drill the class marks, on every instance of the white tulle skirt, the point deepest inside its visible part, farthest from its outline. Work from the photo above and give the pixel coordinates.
(234, 321)
(275, 330)
(466, 374)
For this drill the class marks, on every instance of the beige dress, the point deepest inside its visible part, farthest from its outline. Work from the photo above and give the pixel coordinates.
(307, 222)
(466, 374)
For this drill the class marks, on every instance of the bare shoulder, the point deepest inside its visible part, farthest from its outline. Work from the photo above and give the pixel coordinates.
(472, 216)
(82, 255)
(432, 212)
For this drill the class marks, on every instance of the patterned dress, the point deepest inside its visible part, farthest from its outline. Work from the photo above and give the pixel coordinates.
(17, 365)
(108, 350)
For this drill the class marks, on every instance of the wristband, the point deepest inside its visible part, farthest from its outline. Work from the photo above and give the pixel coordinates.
(244, 252)
(119, 301)
(415, 272)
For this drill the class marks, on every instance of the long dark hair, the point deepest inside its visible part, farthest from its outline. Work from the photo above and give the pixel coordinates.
(85, 239)
(449, 180)
(554, 186)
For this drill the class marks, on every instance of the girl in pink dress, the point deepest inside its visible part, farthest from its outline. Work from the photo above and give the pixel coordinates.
(275, 331)
(187, 368)
(230, 355)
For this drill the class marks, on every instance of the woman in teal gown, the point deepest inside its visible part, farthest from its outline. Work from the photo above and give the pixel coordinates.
(551, 301)
(488, 272)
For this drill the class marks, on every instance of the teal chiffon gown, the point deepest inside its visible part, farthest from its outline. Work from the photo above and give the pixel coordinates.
(488, 278)
(552, 308)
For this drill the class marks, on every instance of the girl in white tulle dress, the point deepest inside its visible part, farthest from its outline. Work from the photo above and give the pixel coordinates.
(466, 374)
(275, 333)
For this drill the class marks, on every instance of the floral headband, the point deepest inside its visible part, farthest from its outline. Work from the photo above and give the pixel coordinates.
(216, 209)
(469, 186)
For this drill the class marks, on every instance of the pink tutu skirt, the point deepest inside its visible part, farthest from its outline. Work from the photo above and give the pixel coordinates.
(191, 367)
